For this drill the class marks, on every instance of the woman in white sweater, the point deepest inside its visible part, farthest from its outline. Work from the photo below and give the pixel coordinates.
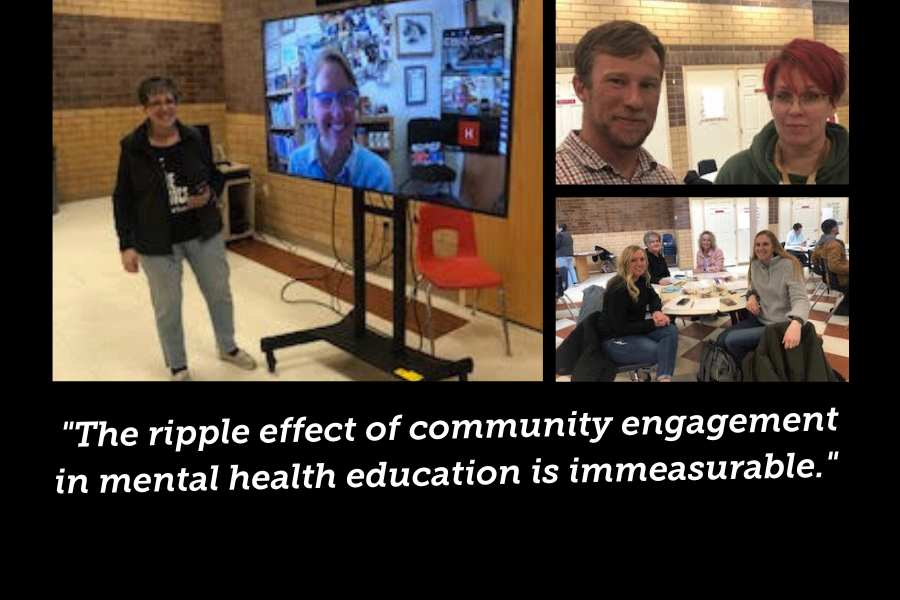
(776, 294)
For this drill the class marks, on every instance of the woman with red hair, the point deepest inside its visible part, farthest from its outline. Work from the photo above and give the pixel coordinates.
(804, 84)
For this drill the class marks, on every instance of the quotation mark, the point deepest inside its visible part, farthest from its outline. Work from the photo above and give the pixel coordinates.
(832, 456)
(68, 425)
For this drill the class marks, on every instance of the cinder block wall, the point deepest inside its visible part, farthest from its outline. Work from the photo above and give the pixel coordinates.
(213, 49)
(102, 49)
(615, 223)
(714, 32)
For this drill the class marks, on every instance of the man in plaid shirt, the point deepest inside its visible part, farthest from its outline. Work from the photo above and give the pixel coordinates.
(618, 77)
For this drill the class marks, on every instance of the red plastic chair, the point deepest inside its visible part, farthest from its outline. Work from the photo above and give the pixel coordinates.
(465, 271)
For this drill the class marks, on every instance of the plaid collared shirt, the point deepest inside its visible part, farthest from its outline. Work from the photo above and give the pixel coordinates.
(578, 164)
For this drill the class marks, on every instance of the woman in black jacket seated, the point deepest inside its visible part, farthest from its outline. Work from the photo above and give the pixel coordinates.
(627, 336)
(656, 261)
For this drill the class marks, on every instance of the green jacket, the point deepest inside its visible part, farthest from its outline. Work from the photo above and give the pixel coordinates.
(771, 362)
(757, 164)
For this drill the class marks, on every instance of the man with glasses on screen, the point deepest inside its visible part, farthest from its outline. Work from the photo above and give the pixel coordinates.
(333, 155)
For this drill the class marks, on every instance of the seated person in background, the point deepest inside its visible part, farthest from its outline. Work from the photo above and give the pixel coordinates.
(564, 252)
(709, 257)
(656, 262)
(627, 336)
(832, 249)
(796, 237)
(776, 294)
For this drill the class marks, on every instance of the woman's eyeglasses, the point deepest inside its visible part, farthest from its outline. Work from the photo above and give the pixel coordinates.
(346, 99)
(808, 99)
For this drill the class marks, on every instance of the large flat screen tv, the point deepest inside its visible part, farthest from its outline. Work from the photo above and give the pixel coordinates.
(412, 97)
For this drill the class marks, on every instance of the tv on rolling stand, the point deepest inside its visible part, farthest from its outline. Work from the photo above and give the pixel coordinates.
(411, 98)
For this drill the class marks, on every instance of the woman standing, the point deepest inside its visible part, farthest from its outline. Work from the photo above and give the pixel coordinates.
(165, 212)
(565, 249)
(627, 336)
(776, 294)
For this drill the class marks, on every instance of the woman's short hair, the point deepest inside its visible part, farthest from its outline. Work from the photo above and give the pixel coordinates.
(823, 64)
(331, 55)
(622, 39)
(712, 240)
(649, 236)
(157, 85)
(797, 226)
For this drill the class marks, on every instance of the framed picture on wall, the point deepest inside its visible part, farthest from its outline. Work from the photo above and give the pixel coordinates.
(416, 89)
(415, 35)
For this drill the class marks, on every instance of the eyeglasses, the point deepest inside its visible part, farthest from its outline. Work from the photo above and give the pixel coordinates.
(158, 103)
(346, 99)
(785, 100)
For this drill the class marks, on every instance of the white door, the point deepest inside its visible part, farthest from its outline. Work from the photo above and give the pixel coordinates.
(568, 108)
(806, 212)
(835, 208)
(747, 228)
(719, 218)
(744, 226)
(754, 105)
(712, 115)
(568, 117)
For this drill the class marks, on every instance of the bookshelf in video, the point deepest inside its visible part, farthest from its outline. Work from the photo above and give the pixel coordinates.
(422, 88)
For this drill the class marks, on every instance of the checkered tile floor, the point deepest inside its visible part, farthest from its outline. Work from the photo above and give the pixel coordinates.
(835, 334)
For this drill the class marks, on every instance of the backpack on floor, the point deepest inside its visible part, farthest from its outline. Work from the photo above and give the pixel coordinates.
(717, 365)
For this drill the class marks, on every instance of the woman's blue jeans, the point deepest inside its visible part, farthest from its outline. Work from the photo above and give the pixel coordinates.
(659, 346)
(568, 263)
(207, 259)
(738, 340)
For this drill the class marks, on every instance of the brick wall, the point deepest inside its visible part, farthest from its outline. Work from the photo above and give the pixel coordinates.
(213, 49)
(87, 144)
(708, 32)
(102, 49)
(615, 223)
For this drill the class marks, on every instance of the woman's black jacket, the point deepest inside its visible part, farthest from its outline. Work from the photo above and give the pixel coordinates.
(141, 199)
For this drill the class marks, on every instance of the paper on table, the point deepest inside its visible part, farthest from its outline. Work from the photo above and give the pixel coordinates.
(702, 304)
(711, 304)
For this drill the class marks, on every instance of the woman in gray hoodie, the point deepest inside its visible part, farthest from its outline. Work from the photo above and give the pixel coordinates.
(776, 294)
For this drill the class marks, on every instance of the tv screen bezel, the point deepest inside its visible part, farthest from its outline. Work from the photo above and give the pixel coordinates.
(512, 82)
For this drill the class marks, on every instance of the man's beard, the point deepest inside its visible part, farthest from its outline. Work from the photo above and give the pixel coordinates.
(628, 141)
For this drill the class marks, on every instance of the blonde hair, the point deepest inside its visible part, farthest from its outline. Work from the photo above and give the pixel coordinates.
(777, 250)
(624, 272)
(712, 240)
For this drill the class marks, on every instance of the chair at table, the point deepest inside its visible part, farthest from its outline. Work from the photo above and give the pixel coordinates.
(831, 281)
(562, 284)
(464, 271)
(638, 371)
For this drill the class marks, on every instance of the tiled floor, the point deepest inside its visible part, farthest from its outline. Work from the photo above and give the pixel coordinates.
(103, 326)
(835, 335)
